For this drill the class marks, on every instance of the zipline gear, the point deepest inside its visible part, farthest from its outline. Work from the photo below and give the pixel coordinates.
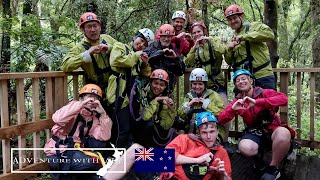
(91, 89)
(160, 74)
(232, 10)
(198, 74)
(179, 14)
(88, 17)
(205, 117)
(148, 35)
(166, 30)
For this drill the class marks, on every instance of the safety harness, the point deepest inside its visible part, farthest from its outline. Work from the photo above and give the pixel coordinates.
(197, 171)
(101, 72)
(247, 62)
(214, 70)
(71, 144)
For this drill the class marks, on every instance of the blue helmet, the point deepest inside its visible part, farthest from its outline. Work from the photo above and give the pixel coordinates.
(240, 72)
(205, 117)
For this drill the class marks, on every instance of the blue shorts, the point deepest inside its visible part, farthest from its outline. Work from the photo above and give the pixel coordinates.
(268, 82)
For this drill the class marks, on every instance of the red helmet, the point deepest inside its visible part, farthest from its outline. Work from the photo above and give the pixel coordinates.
(160, 74)
(202, 24)
(91, 89)
(166, 30)
(87, 17)
(232, 10)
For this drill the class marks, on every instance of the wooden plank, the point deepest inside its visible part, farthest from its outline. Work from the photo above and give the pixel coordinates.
(312, 104)
(298, 106)
(186, 82)
(58, 93)
(65, 90)
(24, 129)
(21, 115)
(296, 70)
(75, 85)
(284, 82)
(36, 114)
(5, 123)
(4, 76)
(32, 167)
(49, 103)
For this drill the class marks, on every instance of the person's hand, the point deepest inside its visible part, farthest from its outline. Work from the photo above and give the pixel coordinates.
(87, 103)
(97, 107)
(250, 101)
(161, 98)
(219, 168)
(181, 35)
(144, 57)
(169, 53)
(187, 37)
(170, 103)
(238, 105)
(195, 101)
(98, 49)
(205, 159)
(237, 39)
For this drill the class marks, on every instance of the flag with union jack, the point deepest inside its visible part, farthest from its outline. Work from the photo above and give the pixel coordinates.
(154, 160)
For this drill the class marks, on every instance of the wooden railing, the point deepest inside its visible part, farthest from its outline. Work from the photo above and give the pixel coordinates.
(56, 95)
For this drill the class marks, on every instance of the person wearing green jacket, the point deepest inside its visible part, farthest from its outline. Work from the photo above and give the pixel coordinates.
(207, 53)
(158, 112)
(129, 63)
(91, 53)
(200, 99)
(248, 48)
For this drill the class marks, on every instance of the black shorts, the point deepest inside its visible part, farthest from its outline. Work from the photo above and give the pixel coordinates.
(264, 141)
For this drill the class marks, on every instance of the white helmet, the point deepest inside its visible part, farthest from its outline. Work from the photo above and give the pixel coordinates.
(179, 14)
(148, 34)
(198, 74)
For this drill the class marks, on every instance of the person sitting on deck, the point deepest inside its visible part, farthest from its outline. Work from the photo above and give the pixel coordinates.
(263, 126)
(79, 124)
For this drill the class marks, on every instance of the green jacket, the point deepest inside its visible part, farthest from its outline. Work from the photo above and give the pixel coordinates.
(257, 36)
(218, 49)
(151, 111)
(124, 60)
(212, 103)
(79, 57)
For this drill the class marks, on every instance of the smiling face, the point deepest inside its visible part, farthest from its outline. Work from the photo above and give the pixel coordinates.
(197, 32)
(235, 21)
(198, 86)
(158, 86)
(165, 40)
(178, 24)
(243, 82)
(139, 44)
(92, 30)
(208, 133)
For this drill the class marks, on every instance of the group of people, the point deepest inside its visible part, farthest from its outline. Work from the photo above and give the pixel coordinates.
(128, 102)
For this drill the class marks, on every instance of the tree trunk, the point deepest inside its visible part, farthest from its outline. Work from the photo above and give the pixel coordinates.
(205, 12)
(5, 43)
(271, 19)
(315, 11)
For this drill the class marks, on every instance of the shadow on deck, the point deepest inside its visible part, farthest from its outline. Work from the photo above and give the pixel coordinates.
(304, 168)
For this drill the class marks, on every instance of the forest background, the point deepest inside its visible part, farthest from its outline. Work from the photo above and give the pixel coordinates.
(36, 34)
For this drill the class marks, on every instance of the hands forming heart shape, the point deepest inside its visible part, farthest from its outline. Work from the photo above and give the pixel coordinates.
(239, 104)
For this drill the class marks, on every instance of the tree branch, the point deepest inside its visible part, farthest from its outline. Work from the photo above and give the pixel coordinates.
(299, 30)
(259, 10)
(134, 11)
(64, 4)
(254, 16)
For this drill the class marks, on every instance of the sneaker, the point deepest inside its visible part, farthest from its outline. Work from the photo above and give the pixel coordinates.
(271, 173)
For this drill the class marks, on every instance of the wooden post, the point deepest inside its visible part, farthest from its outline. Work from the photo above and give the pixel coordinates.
(298, 107)
(284, 82)
(5, 123)
(49, 103)
(312, 103)
(36, 115)
(21, 115)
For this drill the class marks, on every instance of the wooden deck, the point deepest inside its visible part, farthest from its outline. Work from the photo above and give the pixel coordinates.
(24, 129)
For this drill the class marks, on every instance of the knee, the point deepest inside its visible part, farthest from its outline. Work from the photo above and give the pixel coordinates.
(281, 135)
(248, 147)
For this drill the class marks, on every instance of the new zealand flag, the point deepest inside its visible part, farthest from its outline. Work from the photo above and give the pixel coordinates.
(154, 160)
